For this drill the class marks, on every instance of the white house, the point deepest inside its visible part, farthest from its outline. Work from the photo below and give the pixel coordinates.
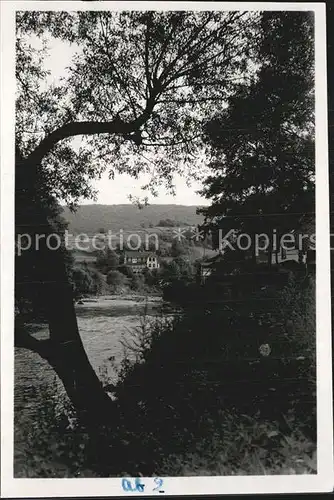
(138, 261)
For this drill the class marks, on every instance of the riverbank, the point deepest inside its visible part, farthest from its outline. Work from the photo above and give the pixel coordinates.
(105, 322)
(137, 297)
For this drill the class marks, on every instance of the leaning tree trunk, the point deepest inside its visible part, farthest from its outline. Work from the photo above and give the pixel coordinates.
(67, 355)
(64, 350)
(46, 268)
(70, 362)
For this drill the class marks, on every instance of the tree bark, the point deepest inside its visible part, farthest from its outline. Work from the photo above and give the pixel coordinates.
(73, 129)
(70, 361)
(64, 350)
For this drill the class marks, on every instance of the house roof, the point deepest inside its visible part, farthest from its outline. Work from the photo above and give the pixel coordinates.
(212, 260)
(136, 254)
(167, 259)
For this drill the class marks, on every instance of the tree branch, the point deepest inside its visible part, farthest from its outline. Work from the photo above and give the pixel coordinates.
(146, 60)
(190, 101)
(172, 143)
(163, 49)
(74, 129)
(183, 49)
(118, 76)
(27, 341)
(115, 126)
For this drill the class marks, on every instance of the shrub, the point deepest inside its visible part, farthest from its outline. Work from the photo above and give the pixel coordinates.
(225, 443)
(167, 223)
(137, 283)
(116, 280)
(107, 260)
(177, 248)
(86, 281)
(229, 355)
(126, 270)
(297, 303)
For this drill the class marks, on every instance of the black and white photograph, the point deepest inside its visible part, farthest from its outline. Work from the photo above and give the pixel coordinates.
(165, 262)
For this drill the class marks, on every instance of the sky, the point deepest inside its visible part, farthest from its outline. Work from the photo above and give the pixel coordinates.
(117, 190)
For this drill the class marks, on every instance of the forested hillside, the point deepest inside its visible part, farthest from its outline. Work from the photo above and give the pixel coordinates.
(91, 218)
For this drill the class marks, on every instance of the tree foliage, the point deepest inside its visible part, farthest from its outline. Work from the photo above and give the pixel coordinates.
(116, 280)
(107, 260)
(86, 281)
(262, 144)
(146, 78)
(178, 270)
(177, 248)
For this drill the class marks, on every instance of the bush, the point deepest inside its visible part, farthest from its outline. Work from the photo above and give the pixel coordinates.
(56, 445)
(107, 260)
(167, 223)
(241, 445)
(227, 443)
(178, 271)
(188, 379)
(116, 280)
(126, 270)
(87, 281)
(137, 283)
(297, 303)
(151, 277)
(224, 357)
(177, 249)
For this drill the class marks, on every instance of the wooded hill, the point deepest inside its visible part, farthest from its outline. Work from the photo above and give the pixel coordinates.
(91, 218)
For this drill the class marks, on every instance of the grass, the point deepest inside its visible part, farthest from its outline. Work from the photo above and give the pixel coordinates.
(232, 444)
(249, 447)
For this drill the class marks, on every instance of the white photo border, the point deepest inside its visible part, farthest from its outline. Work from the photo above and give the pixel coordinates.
(19, 487)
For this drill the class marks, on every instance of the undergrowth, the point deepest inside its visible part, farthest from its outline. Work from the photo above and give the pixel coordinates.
(206, 393)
